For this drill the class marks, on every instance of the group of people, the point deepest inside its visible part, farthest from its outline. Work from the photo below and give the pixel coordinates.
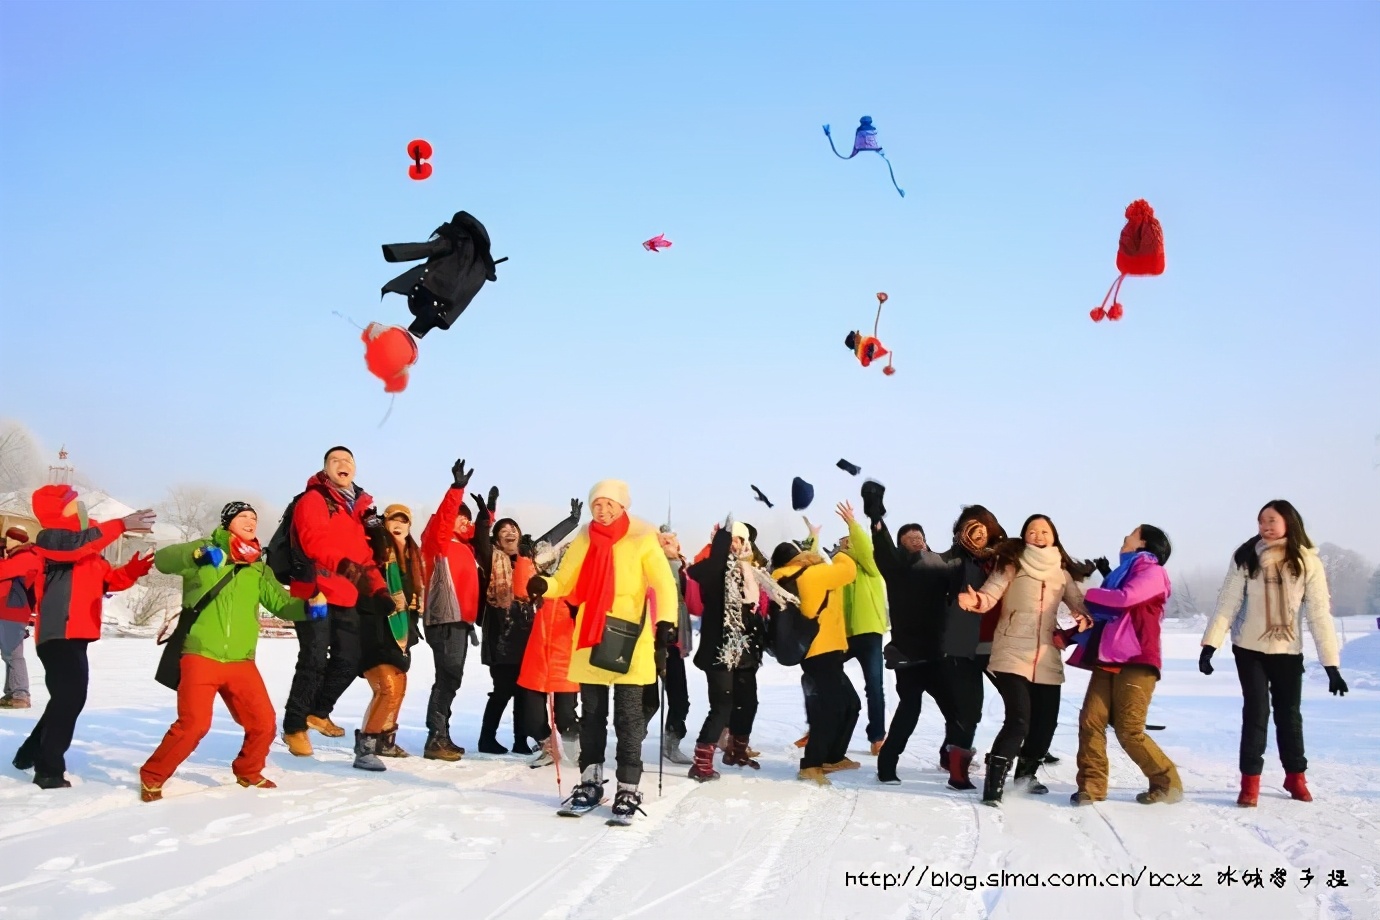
(576, 632)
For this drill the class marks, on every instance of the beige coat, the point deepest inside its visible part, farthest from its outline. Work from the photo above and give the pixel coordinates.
(1241, 607)
(1030, 594)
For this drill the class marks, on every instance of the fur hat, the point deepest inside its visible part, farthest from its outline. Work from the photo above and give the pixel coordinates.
(393, 510)
(615, 490)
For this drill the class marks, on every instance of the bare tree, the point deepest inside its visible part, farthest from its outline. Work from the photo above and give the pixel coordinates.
(21, 467)
(191, 509)
(161, 596)
(1348, 574)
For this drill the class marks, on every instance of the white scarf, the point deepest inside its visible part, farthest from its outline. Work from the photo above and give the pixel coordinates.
(1041, 562)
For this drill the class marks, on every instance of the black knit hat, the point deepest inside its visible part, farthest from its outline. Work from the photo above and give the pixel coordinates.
(333, 450)
(234, 510)
(783, 554)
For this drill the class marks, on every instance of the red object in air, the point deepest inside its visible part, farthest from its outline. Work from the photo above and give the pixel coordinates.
(389, 351)
(419, 150)
(1141, 252)
(657, 243)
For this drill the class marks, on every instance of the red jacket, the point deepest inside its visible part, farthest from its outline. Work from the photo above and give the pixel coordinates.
(328, 532)
(439, 541)
(18, 592)
(75, 576)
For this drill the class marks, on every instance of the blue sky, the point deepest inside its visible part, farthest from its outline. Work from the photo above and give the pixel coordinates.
(188, 192)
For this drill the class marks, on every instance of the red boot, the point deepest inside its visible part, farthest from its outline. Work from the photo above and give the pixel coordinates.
(1297, 786)
(1250, 791)
(959, 760)
(703, 771)
(740, 755)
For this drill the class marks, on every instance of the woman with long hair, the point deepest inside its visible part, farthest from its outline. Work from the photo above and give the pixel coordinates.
(1032, 577)
(1273, 577)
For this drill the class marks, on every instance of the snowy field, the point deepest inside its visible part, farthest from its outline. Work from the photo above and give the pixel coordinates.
(480, 839)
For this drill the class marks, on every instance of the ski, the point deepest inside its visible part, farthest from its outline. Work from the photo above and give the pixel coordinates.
(1154, 728)
(619, 821)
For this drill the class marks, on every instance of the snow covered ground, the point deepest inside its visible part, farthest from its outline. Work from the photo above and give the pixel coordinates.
(480, 839)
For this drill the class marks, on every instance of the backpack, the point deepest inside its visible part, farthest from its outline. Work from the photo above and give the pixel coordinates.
(283, 556)
(458, 262)
(790, 633)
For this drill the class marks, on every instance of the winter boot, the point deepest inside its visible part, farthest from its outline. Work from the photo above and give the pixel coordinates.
(886, 769)
(520, 746)
(388, 744)
(877, 747)
(627, 802)
(815, 775)
(1297, 786)
(149, 793)
(14, 702)
(1025, 777)
(53, 781)
(959, 761)
(1049, 759)
(996, 779)
(1250, 791)
(1166, 794)
(262, 782)
(803, 740)
(548, 753)
(670, 748)
(703, 771)
(298, 743)
(325, 726)
(944, 756)
(846, 763)
(587, 794)
(740, 755)
(1082, 798)
(23, 758)
(366, 752)
(440, 747)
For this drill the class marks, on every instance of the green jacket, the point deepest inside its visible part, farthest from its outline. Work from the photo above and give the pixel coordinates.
(864, 601)
(228, 629)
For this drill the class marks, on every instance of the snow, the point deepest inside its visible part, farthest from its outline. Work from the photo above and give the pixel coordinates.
(480, 838)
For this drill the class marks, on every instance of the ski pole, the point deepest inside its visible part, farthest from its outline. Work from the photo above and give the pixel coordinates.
(661, 741)
(554, 739)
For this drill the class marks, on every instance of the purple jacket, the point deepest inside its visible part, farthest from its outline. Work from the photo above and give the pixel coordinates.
(1142, 596)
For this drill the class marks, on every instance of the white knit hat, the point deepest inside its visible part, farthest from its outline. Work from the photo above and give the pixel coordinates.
(615, 490)
(741, 531)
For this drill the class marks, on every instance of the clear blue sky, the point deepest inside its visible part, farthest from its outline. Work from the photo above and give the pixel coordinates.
(187, 192)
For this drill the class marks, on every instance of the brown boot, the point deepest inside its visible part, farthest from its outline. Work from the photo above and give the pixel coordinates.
(846, 763)
(740, 755)
(877, 747)
(262, 782)
(14, 702)
(298, 743)
(1166, 794)
(388, 744)
(814, 775)
(803, 740)
(440, 747)
(325, 726)
(149, 793)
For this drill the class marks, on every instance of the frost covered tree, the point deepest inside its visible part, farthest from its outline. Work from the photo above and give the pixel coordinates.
(21, 466)
(1373, 594)
(1348, 577)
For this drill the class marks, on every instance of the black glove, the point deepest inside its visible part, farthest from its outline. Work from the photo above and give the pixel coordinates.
(665, 638)
(1205, 659)
(577, 508)
(349, 570)
(1104, 567)
(462, 476)
(379, 605)
(526, 547)
(480, 508)
(493, 500)
(1335, 685)
(372, 519)
(872, 492)
(536, 588)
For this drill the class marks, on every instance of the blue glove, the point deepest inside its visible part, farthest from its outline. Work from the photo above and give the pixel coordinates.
(213, 556)
(317, 608)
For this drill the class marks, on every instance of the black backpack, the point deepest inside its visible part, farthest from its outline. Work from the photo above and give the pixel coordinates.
(282, 555)
(790, 633)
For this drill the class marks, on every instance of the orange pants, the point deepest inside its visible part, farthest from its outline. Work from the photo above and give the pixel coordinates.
(239, 684)
(389, 684)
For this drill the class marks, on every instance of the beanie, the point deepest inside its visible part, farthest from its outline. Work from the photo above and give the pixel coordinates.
(234, 510)
(783, 554)
(802, 494)
(615, 490)
(740, 530)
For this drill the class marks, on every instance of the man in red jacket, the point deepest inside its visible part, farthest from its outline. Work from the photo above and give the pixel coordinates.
(456, 553)
(72, 579)
(328, 529)
(17, 600)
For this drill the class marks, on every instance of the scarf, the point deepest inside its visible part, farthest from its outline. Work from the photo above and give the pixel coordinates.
(594, 589)
(347, 501)
(1041, 562)
(244, 552)
(1278, 624)
(501, 581)
(966, 540)
(402, 574)
(735, 640)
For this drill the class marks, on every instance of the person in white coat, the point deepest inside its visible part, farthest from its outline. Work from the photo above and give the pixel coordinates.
(1274, 578)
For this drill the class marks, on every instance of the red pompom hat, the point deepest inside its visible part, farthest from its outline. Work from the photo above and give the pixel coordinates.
(1141, 253)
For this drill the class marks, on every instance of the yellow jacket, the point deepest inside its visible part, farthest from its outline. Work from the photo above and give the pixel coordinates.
(641, 575)
(817, 582)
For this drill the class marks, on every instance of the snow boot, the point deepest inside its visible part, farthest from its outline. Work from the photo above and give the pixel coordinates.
(366, 752)
(520, 746)
(149, 793)
(388, 744)
(944, 756)
(587, 794)
(846, 763)
(1250, 791)
(995, 781)
(23, 758)
(1025, 776)
(1166, 794)
(440, 747)
(740, 755)
(261, 783)
(877, 747)
(325, 726)
(488, 744)
(1297, 786)
(548, 753)
(703, 771)
(886, 769)
(627, 802)
(815, 775)
(14, 702)
(53, 781)
(1049, 759)
(298, 743)
(1081, 798)
(670, 748)
(959, 761)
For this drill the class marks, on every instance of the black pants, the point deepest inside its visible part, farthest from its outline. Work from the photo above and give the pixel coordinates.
(629, 728)
(677, 696)
(535, 717)
(327, 663)
(831, 707)
(505, 678)
(1032, 714)
(912, 683)
(963, 687)
(66, 674)
(450, 643)
(1265, 680)
(732, 704)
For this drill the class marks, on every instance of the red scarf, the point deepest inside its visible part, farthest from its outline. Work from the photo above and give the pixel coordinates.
(242, 552)
(594, 588)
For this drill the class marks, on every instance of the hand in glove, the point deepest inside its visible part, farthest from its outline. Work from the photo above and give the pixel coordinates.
(1104, 567)
(872, 493)
(139, 521)
(139, 566)
(493, 500)
(536, 589)
(1205, 659)
(1335, 685)
(213, 556)
(461, 475)
(577, 508)
(372, 519)
(526, 546)
(482, 512)
(317, 608)
(665, 638)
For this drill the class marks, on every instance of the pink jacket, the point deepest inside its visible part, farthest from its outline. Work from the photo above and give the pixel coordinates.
(1142, 596)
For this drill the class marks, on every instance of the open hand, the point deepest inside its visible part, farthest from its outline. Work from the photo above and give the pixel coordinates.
(845, 511)
(461, 475)
(139, 521)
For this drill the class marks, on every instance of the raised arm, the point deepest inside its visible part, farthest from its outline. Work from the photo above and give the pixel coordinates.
(556, 535)
(1146, 582)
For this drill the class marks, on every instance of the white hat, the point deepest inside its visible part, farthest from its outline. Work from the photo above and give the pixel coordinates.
(615, 490)
(741, 531)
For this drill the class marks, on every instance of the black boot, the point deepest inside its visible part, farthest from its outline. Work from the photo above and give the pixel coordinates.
(388, 745)
(55, 781)
(995, 781)
(1025, 776)
(488, 729)
(24, 758)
